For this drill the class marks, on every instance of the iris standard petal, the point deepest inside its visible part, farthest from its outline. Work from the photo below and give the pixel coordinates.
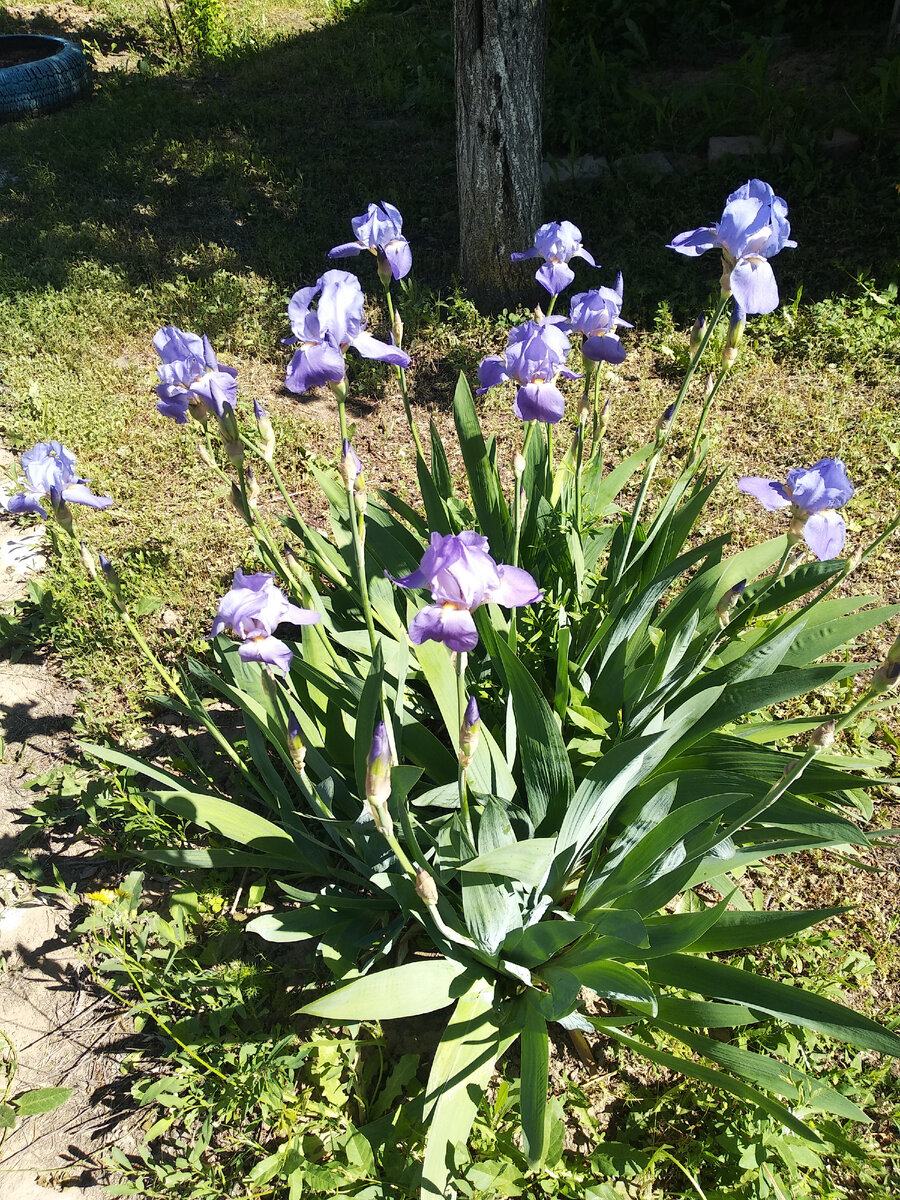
(824, 485)
(744, 227)
(771, 494)
(825, 534)
(753, 286)
(539, 402)
(172, 344)
(455, 627)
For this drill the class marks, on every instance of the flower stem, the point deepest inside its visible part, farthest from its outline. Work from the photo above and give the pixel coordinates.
(357, 535)
(401, 375)
(707, 404)
(663, 437)
(462, 701)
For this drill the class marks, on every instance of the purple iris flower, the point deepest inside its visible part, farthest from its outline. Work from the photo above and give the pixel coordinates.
(814, 493)
(595, 314)
(556, 243)
(325, 332)
(535, 356)
(252, 610)
(461, 575)
(50, 471)
(753, 229)
(190, 371)
(379, 230)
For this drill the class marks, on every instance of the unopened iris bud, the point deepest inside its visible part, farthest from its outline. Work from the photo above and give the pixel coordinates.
(350, 464)
(340, 389)
(63, 514)
(710, 386)
(198, 411)
(605, 417)
(426, 888)
(796, 527)
(519, 466)
(87, 561)
(584, 412)
(291, 560)
(893, 655)
(378, 767)
(822, 737)
(469, 733)
(886, 678)
(728, 602)
(796, 556)
(397, 329)
(359, 493)
(733, 337)
(237, 500)
(296, 748)
(204, 455)
(385, 274)
(697, 332)
(665, 421)
(266, 432)
(110, 574)
(252, 488)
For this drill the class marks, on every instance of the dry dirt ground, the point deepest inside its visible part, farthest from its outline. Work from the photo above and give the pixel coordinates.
(62, 1030)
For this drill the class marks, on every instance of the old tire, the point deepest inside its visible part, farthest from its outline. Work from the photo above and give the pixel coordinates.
(48, 72)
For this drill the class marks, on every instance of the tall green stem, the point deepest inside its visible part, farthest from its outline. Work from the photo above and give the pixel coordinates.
(357, 535)
(462, 702)
(663, 437)
(401, 375)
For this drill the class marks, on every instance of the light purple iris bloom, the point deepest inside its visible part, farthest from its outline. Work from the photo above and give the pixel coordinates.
(461, 575)
(753, 229)
(379, 230)
(50, 471)
(325, 332)
(814, 493)
(535, 356)
(595, 314)
(190, 371)
(253, 609)
(556, 243)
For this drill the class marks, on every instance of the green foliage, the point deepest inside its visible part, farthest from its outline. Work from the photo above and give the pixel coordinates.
(205, 27)
(545, 866)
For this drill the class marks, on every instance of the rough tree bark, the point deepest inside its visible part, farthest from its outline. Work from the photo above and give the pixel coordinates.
(500, 47)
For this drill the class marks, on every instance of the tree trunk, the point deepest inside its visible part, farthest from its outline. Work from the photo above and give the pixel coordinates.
(499, 50)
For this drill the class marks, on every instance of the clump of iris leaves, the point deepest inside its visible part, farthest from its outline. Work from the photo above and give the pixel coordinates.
(495, 815)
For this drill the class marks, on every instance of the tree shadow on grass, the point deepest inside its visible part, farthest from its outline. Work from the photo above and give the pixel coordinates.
(177, 183)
